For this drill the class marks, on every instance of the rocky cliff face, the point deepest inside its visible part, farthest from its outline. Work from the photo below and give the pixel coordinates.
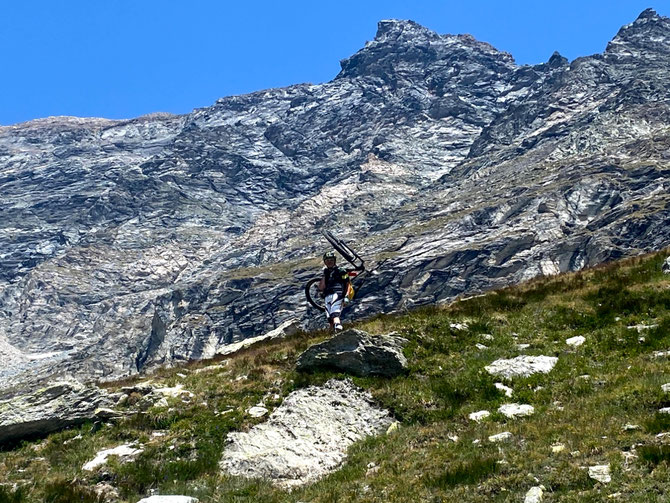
(126, 244)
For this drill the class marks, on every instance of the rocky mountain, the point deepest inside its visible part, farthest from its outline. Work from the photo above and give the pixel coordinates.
(452, 170)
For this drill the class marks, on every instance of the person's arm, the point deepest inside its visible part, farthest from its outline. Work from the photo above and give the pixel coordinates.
(322, 283)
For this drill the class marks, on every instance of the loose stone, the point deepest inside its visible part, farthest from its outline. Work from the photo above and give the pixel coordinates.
(501, 437)
(556, 448)
(505, 389)
(479, 416)
(522, 366)
(514, 410)
(175, 392)
(641, 327)
(601, 473)
(534, 495)
(257, 411)
(126, 452)
(576, 341)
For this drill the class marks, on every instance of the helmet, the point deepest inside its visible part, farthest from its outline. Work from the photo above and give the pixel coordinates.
(329, 254)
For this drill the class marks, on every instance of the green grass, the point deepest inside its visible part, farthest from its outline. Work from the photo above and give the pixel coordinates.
(468, 472)
(654, 454)
(437, 454)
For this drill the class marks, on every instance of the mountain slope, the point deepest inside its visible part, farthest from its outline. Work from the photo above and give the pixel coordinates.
(128, 244)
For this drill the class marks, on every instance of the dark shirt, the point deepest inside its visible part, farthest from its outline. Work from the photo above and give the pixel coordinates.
(336, 280)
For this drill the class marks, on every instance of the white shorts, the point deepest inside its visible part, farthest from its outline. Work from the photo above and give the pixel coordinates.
(333, 305)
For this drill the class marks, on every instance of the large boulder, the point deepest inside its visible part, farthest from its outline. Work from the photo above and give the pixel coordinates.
(62, 404)
(666, 266)
(358, 353)
(307, 436)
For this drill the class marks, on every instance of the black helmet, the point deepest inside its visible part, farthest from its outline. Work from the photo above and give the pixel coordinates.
(329, 254)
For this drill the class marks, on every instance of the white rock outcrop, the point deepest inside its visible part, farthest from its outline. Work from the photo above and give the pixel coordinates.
(601, 473)
(505, 389)
(174, 392)
(126, 452)
(479, 416)
(514, 410)
(556, 448)
(521, 366)
(575, 341)
(534, 495)
(307, 436)
(505, 436)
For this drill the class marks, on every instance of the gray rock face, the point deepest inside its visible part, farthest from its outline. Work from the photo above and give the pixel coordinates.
(128, 244)
(358, 353)
(306, 437)
(60, 405)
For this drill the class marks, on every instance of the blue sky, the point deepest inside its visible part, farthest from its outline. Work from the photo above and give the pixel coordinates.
(125, 58)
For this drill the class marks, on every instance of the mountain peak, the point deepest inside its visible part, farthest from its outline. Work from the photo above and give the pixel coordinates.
(649, 34)
(647, 14)
(407, 44)
(394, 28)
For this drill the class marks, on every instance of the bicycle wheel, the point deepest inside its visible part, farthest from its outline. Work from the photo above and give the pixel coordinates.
(312, 294)
(349, 255)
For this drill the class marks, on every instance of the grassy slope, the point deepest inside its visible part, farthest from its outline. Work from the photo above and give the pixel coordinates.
(594, 390)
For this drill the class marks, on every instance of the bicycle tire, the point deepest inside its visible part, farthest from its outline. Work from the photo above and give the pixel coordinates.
(338, 245)
(341, 247)
(318, 302)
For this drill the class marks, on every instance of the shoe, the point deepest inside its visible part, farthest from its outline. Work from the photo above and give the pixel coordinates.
(338, 328)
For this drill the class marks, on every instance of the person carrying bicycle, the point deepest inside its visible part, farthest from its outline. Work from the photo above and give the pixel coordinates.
(335, 287)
